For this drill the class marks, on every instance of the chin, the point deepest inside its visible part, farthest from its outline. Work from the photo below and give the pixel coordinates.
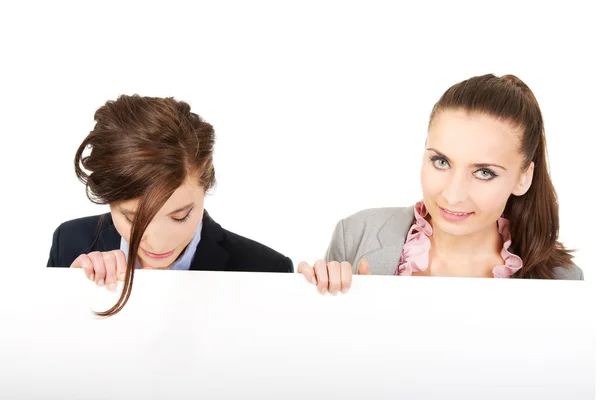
(453, 228)
(158, 264)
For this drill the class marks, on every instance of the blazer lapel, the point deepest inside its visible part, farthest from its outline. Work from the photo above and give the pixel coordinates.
(210, 255)
(387, 249)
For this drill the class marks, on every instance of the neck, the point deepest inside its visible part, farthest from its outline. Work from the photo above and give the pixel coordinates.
(467, 247)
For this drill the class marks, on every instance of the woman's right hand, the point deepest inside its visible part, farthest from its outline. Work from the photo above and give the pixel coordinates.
(333, 276)
(103, 268)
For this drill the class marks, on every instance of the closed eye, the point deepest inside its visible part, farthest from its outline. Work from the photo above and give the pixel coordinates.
(127, 218)
(180, 220)
(184, 219)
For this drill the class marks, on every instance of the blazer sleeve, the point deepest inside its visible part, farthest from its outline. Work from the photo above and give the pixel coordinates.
(286, 265)
(53, 257)
(336, 250)
(573, 273)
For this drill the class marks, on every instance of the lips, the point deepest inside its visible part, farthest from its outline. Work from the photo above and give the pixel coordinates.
(454, 216)
(455, 212)
(157, 256)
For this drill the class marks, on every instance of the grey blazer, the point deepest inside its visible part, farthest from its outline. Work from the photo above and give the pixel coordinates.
(378, 234)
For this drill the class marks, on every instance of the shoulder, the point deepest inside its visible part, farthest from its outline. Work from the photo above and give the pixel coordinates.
(368, 230)
(377, 216)
(572, 272)
(372, 220)
(254, 256)
(85, 225)
(82, 235)
(243, 254)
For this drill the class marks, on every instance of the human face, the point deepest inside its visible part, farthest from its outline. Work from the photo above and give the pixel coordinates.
(471, 166)
(170, 231)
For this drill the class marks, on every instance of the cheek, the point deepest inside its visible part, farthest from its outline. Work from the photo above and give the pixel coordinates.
(490, 198)
(432, 182)
(183, 235)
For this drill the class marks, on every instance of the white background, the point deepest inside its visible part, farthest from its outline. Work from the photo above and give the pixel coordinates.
(320, 108)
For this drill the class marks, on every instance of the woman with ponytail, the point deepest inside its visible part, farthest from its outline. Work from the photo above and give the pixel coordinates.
(151, 161)
(489, 208)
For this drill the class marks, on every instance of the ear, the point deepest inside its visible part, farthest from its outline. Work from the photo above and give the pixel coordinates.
(524, 181)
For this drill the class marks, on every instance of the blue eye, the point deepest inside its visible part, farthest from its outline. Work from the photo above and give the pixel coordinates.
(439, 162)
(486, 174)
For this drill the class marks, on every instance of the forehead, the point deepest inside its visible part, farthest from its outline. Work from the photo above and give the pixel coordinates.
(474, 137)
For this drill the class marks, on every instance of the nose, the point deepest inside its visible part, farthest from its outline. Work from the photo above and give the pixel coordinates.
(155, 239)
(456, 190)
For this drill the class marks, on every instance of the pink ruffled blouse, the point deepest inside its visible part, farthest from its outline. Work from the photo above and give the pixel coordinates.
(415, 252)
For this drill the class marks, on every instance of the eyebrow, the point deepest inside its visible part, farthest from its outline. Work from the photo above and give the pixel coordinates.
(477, 165)
(180, 209)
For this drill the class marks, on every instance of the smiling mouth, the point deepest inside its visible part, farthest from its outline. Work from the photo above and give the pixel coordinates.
(454, 216)
(158, 256)
(456, 212)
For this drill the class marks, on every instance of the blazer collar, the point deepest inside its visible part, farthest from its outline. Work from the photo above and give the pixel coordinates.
(395, 229)
(210, 255)
(384, 255)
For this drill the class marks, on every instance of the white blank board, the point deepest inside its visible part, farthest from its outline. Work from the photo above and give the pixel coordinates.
(223, 335)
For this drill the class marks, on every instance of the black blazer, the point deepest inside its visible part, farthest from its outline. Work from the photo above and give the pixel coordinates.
(218, 250)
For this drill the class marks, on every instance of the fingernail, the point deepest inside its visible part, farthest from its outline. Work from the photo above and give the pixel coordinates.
(122, 277)
(344, 291)
(323, 290)
(92, 277)
(112, 286)
(101, 282)
(335, 292)
(314, 280)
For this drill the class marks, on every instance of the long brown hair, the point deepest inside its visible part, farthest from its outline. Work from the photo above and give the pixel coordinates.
(143, 148)
(533, 216)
